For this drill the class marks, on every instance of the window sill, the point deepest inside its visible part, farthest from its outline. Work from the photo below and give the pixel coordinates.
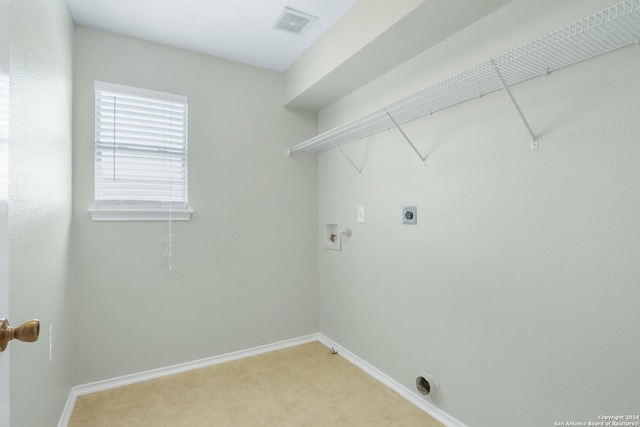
(138, 215)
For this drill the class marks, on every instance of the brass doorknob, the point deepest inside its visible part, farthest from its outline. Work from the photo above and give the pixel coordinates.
(27, 332)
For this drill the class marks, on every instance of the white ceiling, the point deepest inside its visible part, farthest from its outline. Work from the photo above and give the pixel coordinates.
(239, 30)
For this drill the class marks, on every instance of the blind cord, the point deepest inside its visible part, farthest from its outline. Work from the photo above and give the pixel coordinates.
(168, 252)
(169, 236)
(115, 99)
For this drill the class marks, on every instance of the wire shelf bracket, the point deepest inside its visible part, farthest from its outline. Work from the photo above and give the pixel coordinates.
(359, 169)
(534, 139)
(423, 158)
(606, 31)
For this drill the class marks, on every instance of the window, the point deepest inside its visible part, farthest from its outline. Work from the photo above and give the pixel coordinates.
(141, 154)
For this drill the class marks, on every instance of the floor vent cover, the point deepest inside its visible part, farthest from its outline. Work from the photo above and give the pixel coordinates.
(294, 21)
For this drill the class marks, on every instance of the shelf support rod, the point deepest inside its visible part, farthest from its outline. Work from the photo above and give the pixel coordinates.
(423, 158)
(345, 155)
(534, 139)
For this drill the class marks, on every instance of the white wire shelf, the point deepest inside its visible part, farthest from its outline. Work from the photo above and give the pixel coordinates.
(603, 32)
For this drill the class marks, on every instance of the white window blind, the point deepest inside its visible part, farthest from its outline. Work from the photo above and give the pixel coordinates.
(141, 150)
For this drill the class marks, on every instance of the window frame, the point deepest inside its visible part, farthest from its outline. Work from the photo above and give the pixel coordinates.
(132, 210)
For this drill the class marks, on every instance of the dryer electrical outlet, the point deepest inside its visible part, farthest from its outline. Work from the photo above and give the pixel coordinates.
(410, 215)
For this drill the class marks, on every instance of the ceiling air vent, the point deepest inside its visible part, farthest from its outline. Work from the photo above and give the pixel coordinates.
(294, 21)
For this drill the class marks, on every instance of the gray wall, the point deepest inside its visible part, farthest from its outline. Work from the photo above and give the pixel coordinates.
(518, 288)
(40, 205)
(244, 268)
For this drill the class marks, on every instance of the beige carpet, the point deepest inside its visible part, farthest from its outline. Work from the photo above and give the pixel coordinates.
(300, 386)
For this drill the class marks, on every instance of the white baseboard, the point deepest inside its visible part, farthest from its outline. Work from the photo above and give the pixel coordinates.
(68, 409)
(80, 390)
(409, 395)
(412, 397)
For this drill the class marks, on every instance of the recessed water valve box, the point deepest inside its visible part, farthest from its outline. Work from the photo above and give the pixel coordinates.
(410, 215)
(332, 237)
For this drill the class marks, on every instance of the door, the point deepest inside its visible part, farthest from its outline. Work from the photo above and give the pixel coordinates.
(4, 235)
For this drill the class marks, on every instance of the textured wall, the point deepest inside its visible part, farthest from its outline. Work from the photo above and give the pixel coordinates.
(4, 208)
(40, 205)
(518, 288)
(244, 268)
